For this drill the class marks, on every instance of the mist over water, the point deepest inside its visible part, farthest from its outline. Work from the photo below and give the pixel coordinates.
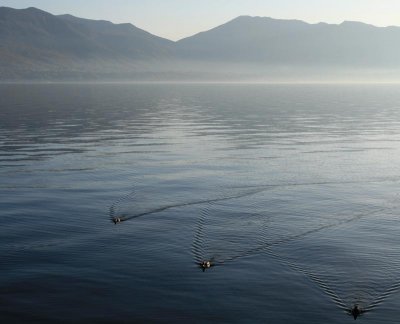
(290, 190)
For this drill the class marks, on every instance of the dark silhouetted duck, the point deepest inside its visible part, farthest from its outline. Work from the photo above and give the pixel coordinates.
(355, 312)
(205, 265)
(117, 220)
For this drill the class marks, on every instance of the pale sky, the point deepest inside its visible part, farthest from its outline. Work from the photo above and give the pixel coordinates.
(175, 19)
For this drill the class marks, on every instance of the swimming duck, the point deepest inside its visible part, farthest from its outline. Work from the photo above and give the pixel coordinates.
(205, 265)
(355, 312)
(117, 220)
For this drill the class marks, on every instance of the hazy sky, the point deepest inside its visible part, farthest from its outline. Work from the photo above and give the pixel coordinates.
(175, 19)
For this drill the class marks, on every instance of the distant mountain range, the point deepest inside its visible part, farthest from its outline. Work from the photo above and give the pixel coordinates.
(35, 44)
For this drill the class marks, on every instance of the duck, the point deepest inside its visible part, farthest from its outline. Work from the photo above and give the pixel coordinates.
(355, 312)
(117, 220)
(206, 264)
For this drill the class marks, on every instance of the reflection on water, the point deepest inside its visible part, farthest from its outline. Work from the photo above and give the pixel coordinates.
(290, 191)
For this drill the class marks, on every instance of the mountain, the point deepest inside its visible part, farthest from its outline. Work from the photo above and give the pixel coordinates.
(34, 40)
(295, 43)
(35, 44)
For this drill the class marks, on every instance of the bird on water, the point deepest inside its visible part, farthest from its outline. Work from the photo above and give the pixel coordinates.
(205, 265)
(117, 220)
(355, 311)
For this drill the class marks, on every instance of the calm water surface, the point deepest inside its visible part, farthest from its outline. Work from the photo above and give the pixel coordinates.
(292, 191)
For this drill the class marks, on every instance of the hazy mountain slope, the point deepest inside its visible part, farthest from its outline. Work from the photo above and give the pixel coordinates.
(37, 45)
(123, 39)
(34, 40)
(291, 42)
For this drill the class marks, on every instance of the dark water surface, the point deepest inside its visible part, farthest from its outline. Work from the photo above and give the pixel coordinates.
(291, 190)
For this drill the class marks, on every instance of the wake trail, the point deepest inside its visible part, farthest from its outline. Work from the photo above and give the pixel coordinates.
(122, 218)
(256, 189)
(261, 248)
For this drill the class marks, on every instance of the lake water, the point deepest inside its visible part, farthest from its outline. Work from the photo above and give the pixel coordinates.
(292, 192)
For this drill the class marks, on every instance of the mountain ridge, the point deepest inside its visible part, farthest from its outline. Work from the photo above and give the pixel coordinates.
(37, 44)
